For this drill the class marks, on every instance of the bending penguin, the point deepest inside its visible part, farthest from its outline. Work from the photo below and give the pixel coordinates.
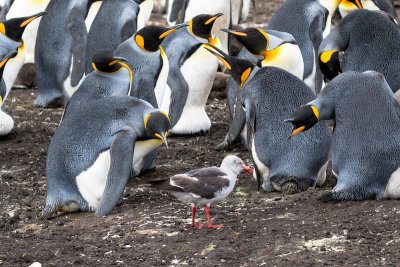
(309, 22)
(90, 156)
(149, 63)
(365, 149)
(180, 11)
(191, 75)
(361, 33)
(264, 48)
(268, 96)
(60, 51)
(115, 22)
(348, 6)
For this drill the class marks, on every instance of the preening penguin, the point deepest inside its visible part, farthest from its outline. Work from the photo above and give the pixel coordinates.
(264, 48)
(307, 21)
(149, 63)
(60, 51)
(347, 6)
(366, 144)
(363, 32)
(23, 8)
(115, 22)
(90, 156)
(191, 74)
(268, 96)
(13, 29)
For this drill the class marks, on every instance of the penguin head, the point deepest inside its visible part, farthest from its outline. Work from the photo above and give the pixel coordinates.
(303, 119)
(330, 63)
(150, 38)
(157, 124)
(352, 4)
(14, 28)
(240, 68)
(255, 40)
(201, 25)
(104, 61)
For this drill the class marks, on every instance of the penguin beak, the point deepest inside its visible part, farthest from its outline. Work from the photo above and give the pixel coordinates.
(213, 50)
(171, 30)
(213, 18)
(236, 33)
(247, 169)
(163, 137)
(6, 58)
(30, 19)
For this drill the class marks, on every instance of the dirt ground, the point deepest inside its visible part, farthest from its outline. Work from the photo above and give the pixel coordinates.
(151, 228)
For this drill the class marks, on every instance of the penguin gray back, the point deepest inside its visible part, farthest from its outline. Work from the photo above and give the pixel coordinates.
(370, 40)
(115, 22)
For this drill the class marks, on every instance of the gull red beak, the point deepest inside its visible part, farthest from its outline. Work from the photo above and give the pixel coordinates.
(248, 169)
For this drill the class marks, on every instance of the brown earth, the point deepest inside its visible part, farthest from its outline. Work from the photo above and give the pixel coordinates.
(151, 228)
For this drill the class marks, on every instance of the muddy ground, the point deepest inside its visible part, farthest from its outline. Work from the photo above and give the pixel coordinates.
(151, 228)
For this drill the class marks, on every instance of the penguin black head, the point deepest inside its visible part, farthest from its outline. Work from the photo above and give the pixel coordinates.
(303, 119)
(157, 125)
(240, 68)
(352, 4)
(104, 61)
(14, 28)
(150, 38)
(329, 62)
(201, 25)
(255, 40)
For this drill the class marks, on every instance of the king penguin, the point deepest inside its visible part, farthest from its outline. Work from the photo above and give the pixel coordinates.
(268, 96)
(185, 10)
(191, 75)
(90, 156)
(363, 32)
(264, 48)
(23, 8)
(13, 29)
(347, 6)
(115, 22)
(6, 121)
(308, 21)
(148, 61)
(146, 7)
(366, 143)
(60, 51)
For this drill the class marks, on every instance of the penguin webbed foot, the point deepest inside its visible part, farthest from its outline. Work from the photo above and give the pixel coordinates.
(11, 135)
(222, 146)
(48, 102)
(328, 197)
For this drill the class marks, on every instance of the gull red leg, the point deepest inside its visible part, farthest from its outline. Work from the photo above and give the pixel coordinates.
(209, 224)
(194, 224)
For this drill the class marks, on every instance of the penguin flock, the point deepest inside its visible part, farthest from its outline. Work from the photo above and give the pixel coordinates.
(127, 85)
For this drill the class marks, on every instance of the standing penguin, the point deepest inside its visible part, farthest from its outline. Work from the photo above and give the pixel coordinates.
(149, 63)
(60, 51)
(13, 30)
(365, 149)
(90, 156)
(347, 6)
(184, 10)
(265, 48)
(361, 33)
(6, 121)
(191, 74)
(308, 22)
(115, 22)
(268, 96)
(23, 8)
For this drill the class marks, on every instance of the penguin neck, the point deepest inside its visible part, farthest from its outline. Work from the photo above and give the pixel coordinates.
(116, 74)
(271, 55)
(214, 41)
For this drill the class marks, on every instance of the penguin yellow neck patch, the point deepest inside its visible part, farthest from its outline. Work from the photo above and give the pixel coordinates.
(126, 66)
(1, 101)
(165, 114)
(327, 55)
(245, 76)
(146, 120)
(315, 111)
(271, 54)
(2, 28)
(213, 41)
(265, 35)
(191, 26)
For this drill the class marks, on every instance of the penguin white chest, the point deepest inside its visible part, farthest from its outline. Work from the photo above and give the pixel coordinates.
(91, 182)
(94, 8)
(13, 67)
(161, 84)
(393, 186)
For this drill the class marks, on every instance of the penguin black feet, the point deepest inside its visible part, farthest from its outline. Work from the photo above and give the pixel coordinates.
(327, 197)
(290, 188)
(11, 135)
(222, 146)
(48, 102)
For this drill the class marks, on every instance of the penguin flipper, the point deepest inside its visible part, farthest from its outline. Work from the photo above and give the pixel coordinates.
(178, 7)
(121, 153)
(316, 31)
(77, 29)
(235, 127)
(179, 93)
(129, 28)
